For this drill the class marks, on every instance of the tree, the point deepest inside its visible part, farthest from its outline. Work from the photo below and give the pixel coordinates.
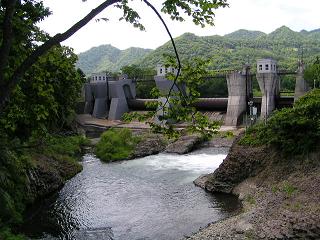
(200, 11)
(178, 104)
(45, 98)
(312, 73)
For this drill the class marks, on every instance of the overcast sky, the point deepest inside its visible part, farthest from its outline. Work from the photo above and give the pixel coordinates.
(262, 15)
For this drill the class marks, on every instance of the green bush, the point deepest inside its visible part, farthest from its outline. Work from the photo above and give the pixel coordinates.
(116, 144)
(292, 130)
(64, 145)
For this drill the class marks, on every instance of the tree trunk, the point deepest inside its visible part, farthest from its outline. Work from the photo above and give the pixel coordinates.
(7, 38)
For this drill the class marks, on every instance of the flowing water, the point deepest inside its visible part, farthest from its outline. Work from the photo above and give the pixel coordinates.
(147, 198)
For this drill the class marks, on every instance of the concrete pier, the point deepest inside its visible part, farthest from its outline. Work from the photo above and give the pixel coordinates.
(301, 85)
(237, 98)
(89, 100)
(268, 83)
(104, 90)
(100, 92)
(120, 91)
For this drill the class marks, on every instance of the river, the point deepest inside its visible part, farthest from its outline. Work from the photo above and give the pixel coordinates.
(142, 199)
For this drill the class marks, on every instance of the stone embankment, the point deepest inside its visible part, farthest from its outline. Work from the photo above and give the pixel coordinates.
(280, 195)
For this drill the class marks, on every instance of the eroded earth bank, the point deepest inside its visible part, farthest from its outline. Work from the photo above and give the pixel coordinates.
(280, 195)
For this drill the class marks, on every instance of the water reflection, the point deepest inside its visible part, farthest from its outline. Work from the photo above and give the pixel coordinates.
(147, 198)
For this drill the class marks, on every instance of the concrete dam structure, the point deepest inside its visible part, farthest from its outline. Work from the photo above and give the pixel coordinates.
(109, 98)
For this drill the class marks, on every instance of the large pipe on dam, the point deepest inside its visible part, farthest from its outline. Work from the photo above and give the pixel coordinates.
(213, 104)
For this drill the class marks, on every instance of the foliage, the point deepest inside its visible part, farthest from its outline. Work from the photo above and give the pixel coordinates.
(46, 97)
(62, 147)
(39, 86)
(213, 87)
(228, 52)
(17, 157)
(116, 144)
(291, 130)
(12, 186)
(312, 73)
(250, 199)
(288, 83)
(285, 187)
(288, 189)
(135, 72)
(233, 50)
(201, 11)
(177, 106)
(26, 33)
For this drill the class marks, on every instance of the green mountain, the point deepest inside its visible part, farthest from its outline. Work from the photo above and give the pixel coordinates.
(108, 58)
(233, 50)
(243, 34)
(224, 52)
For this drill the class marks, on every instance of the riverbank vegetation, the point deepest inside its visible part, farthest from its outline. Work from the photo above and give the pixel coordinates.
(290, 130)
(123, 144)
(34, 120)
(274, 169)
(116, 144)
(25, 163)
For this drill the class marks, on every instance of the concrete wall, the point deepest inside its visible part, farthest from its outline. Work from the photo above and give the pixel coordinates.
(100, 93)
(164, 84)
(117, 89)
(119, 92)
(237, 98)
(88, 98)
(118, 107)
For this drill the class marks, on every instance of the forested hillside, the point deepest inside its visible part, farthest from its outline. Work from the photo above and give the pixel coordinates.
(108, 58)
(224, 52)
(234, 49)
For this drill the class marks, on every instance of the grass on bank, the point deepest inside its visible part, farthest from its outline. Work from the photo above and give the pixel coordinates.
(292, 131)
(63, 148)
(116, 144)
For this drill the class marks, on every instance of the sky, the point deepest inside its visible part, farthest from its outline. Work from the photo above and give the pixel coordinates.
(261, 15)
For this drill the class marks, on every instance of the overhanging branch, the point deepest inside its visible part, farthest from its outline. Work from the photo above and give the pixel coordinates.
(175, 51)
